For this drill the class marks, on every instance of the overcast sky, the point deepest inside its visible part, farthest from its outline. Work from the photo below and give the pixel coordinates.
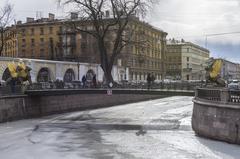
(192, 20)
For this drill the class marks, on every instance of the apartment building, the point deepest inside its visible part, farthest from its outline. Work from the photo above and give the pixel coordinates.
(230, 70)
(54, 39)
(185, 60)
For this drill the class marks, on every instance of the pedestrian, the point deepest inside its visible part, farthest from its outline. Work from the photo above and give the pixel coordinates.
(84, 81)
(94, 80)
(152, 79)
(148, 80)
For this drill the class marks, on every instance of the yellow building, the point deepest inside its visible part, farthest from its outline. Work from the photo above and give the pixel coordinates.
(147, 55)
(185, 61)
(49, 38)
(41, 39)
(144, 53)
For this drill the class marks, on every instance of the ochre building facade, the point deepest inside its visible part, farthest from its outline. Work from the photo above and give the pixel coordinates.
(185, 61)
(53, 39)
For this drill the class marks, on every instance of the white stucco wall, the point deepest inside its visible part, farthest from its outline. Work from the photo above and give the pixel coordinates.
(58, 68)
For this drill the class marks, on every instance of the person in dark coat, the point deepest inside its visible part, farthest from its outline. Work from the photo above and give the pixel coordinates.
(152, 79)
(148, 80)
(94, 80)
(84, 81)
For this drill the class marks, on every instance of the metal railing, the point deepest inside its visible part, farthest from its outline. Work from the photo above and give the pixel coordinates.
(6, 90)
(209, 94)
(223, 95)
(234, 97)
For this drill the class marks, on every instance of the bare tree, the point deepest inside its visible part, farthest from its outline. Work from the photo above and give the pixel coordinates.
(119, 14)
(5, 18)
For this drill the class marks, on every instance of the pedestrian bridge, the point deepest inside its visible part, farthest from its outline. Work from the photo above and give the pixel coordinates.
(48, 70)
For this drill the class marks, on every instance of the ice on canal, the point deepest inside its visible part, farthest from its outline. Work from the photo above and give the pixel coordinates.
(154, 129)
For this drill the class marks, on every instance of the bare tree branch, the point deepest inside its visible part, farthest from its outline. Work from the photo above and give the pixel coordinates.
(5, 18)
(121, 13)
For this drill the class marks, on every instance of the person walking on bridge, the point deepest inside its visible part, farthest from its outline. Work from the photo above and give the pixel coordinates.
(149, 81)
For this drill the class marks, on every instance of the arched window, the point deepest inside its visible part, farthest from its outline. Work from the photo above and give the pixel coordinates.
(69, 76)
(89, 75)
(43, 75)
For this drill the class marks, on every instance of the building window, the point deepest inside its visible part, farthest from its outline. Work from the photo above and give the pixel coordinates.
(23, 42)
(41, 52)
(187, 59)
(23, 52)
(23, 32)
(50, 30)
(32, 53)
(41, 31)
(32, 42)
(60, 29)
(41, 41)
(32, 31)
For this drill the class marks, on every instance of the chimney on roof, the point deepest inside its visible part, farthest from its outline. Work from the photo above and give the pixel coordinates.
(74, 15)
(19, 22)
(51, 16)
(29, 20)
(44, 19)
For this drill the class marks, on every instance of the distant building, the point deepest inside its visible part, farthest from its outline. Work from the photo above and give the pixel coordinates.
(230, 70)
(41, 39)
(53, 39)
(185, 60)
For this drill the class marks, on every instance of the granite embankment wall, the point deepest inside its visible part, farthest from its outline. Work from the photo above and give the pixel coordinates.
(216, 114)
(46, 102)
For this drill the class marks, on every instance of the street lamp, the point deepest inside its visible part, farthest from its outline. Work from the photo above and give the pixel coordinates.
(78, 65)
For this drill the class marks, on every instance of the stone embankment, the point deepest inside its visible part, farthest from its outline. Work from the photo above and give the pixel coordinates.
(46, 102)
(216, 114)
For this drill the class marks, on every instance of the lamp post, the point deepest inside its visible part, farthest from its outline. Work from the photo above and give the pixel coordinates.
(78, 65)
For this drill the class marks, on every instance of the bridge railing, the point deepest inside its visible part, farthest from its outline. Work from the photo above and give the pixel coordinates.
(224, 95)
(6, 90)
(209, 94)
(234, 97)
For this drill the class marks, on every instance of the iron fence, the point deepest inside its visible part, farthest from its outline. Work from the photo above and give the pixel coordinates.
(224, 95)
(234, 96)
(209, 94)
(6, 90)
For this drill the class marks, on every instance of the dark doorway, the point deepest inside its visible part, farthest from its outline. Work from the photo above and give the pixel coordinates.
(43, 75)
(69, 76)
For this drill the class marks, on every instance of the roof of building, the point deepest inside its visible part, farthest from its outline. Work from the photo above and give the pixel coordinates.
(184, 43)
(46, 21)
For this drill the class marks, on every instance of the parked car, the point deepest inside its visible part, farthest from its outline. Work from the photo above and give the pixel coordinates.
(234, 85)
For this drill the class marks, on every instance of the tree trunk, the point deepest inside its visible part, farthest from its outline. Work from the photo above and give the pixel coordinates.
(105, 63)
(107, 74)
(1, 41)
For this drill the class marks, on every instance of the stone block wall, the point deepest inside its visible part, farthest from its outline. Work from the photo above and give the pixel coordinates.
(47, 105)
(216, 121)
(12, 108)
(20, 107)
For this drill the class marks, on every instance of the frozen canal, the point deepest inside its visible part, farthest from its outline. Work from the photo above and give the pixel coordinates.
(157, 129)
